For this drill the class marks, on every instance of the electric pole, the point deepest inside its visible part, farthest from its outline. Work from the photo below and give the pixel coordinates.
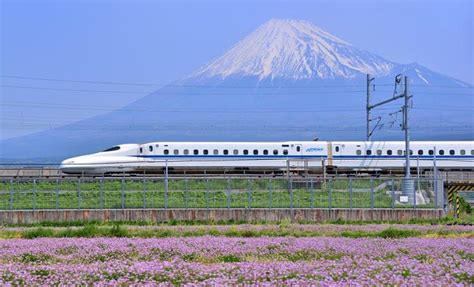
(405, 127)
(369, 80)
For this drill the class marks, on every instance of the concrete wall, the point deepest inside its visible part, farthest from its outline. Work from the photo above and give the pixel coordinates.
(163, 215)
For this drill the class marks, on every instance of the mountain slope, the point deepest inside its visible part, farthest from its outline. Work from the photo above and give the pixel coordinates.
(288, 80)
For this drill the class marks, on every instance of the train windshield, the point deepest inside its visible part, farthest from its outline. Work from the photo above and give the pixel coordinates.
(112, 149)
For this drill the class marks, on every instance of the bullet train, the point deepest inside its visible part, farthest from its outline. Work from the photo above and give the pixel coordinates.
(312, 155)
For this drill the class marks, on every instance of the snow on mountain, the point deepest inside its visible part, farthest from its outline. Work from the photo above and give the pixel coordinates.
(293, 50)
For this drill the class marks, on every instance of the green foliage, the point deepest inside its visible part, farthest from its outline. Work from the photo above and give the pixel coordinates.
(228, 258)
(398, 233)
(464, 206)
(38, 232)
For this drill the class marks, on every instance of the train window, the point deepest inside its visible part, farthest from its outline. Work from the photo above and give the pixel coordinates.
(255, 151)
(462, 152)
(246, 151)
(226, 151)
(451, 152)
(196, 151)
(112, 149)
(150, 148)
(431, 152)
(205, 151)
(285, 145)
(411, 152)
(285, 152)
(472, 151)
(389, 152)
(336, 149)
(420, 152)
(441, 152)
(166, 151)
(236, 151)
(369, 152)
(399, 152)
(275, 152)
(141, 150)
(358, 152)
(186, 151)
(298, 148)
(379, 152)
(176, 151)
(265, 151)
(216, 151)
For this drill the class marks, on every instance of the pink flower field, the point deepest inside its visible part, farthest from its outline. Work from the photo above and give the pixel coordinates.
(229, 260)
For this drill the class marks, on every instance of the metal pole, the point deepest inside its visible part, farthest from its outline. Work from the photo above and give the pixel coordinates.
(418, 172)
(249, 190)
(102, 192)
(291, 194)
(11, 193)
(34, 194)
(187, 191)
(330, 193)
(270, 195)
(372, 193)
(228, 192)
(406, 129)
(123, 192)
(144, 190)
(57, 193)
(350, 193)
(312, 193)
(393, 194)
(207, 191)
(368, 107)
(435, 177)
(79, 193)
(166, 184)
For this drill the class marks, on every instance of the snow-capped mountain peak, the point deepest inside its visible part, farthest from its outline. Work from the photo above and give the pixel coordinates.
(293, 50)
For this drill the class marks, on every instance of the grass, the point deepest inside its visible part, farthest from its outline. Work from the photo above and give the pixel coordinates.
(194, 193)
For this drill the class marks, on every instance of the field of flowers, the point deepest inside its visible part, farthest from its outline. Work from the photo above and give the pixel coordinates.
(236, 260)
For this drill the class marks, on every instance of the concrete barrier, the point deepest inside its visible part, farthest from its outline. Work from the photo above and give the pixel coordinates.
(256, 214)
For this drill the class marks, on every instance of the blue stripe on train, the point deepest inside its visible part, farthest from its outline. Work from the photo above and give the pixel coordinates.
(311, 156)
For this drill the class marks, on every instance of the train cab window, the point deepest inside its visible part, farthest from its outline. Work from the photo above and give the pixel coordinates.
(216, 151)
(420, 152)
(166, 151)
(205, 151)
(141, 150)
(452, 152)
(275, 152)
(246, 151)
(399, 152)
(112, 149)
(358, 152)
(336, 149)
(431, 152)
(265, 151)
(441, 152)
(150, 148)
(298, 148)
(196, 152)
(236, 151)
(255, 151)
(285, 152)
(389, 152)
(462, 152)
(379, 152)
(226, 151)
(368, 152)
(186, 151)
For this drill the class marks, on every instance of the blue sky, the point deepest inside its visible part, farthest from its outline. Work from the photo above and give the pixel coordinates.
(162, 41)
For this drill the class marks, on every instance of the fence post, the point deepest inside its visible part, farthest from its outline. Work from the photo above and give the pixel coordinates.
(166, 184)
(57, 193)
(186, 192)
(101, 191)
(393, 194)
(34, 194)
(350, 193)
(330, 193)
(312, 193)
(228, 192)
(290, 184)
(414, 196)
(270, 193)
(144, 191)
(371, 193)
(122, 186)
(435, 188)
(11, 193)
(249, 190)
(207, 192)
(79, 193)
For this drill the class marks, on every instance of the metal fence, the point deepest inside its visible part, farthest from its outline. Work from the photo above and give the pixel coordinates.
(216, 192)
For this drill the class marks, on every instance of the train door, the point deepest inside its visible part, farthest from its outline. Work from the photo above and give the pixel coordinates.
(299, 160)
(337, 153)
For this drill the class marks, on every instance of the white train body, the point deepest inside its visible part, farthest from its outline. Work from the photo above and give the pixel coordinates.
(273, 155)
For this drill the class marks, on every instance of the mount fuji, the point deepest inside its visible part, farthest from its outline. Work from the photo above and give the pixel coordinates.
(287, 80)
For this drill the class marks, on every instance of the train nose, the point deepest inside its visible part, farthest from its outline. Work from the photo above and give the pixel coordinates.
(67, 165)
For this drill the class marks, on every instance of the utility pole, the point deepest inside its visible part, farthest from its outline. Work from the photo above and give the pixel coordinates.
(406, 129)
(369, 80)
